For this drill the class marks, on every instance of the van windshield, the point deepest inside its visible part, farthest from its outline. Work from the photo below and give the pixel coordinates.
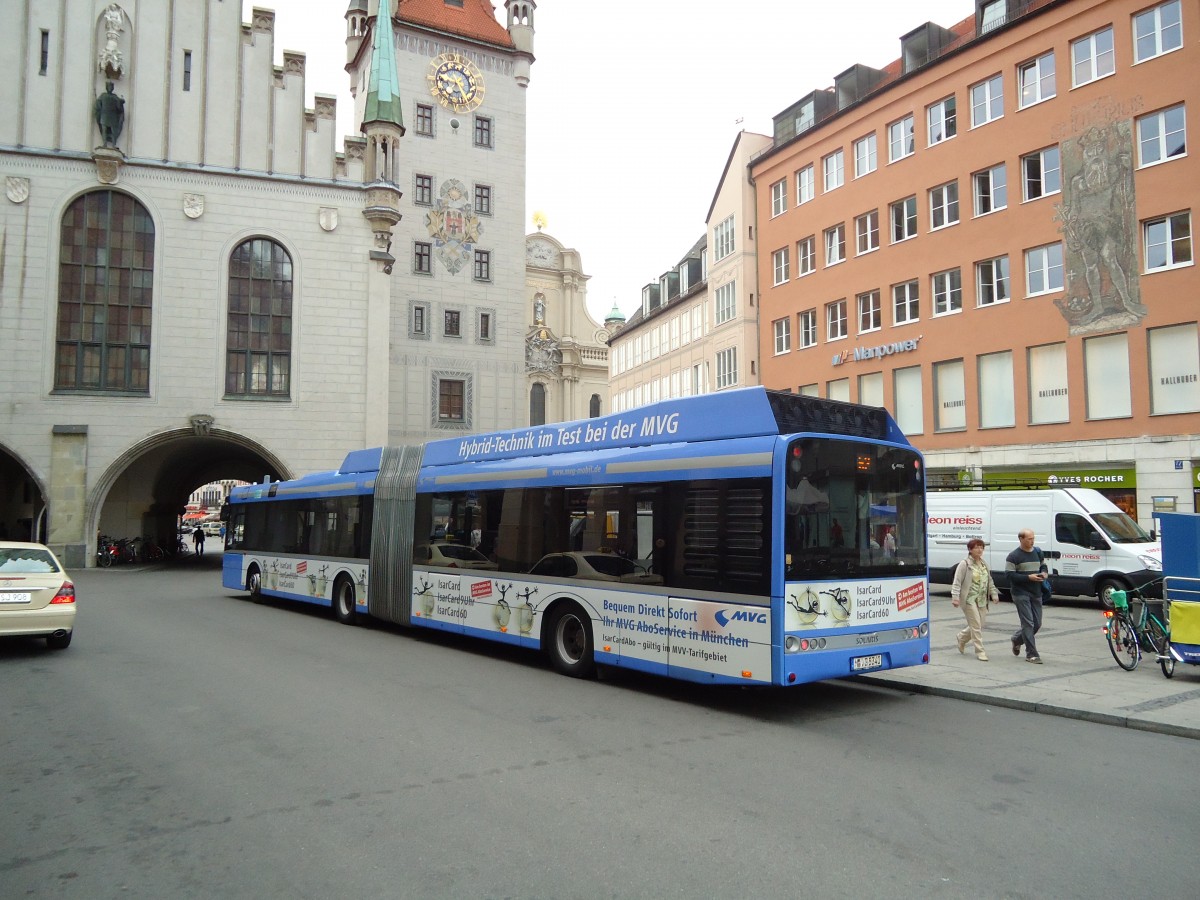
(1121, 529)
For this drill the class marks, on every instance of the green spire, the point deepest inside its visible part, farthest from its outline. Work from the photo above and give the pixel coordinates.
(383, 93)
(616, 315)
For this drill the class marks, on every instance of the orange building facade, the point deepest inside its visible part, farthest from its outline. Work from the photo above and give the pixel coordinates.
(993, 237)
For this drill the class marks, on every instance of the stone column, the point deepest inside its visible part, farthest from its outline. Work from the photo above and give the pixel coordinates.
(67, 500)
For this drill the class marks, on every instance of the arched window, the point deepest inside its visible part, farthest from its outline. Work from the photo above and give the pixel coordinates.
(594, 406)
(258, 352)
(105, 289)
(537, 405)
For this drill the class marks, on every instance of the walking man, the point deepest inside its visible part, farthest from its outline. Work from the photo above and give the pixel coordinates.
(198, 540)
(1026, 571)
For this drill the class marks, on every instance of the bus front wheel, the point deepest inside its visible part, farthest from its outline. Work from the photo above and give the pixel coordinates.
(570, 645)
(344, 601)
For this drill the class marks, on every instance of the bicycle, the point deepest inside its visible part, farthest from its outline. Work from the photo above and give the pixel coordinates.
(1128, 633)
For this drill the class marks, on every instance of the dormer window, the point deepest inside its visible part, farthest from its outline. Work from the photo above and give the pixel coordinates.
(992, 15)
(457, 4)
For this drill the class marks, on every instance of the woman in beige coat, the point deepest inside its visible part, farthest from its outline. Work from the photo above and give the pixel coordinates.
(973, 589)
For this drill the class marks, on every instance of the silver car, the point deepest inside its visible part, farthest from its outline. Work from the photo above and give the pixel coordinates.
(37, 597)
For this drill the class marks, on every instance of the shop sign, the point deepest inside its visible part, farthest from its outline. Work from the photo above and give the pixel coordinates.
(1089, 478)
(860, 353)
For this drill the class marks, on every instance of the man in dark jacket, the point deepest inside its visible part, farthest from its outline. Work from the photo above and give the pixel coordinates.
(1026, 571)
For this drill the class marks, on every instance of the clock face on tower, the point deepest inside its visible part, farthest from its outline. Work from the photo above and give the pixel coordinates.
(456, 82)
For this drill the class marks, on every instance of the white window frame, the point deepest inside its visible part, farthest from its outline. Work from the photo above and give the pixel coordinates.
(866, 158)
(806, 255)
(992, 279)
(725, 303)
(906, 302)
(866, 232)
(1046, 263)
(781, 266)
(1049, 384)
(984, 96)
(1175, 241)
(1035, 81)
(1159, 137)
(1150, 22)
(902, 215)
(837, 327)
(941, 118)
(901, 139)
(943, 203)
(835, 244)
(806, 184)
(1041, 174)
(834, 167)
(949, 396)
(779, 198)
(1107, 386)
(1090, 54)
(727, 373)
(870, 312)
(947, 292)
(984, 184)
(783, 335)
(807, 325)
(997, 406)
(723, 239)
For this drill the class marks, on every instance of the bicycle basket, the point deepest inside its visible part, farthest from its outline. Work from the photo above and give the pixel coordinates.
(1119, 600)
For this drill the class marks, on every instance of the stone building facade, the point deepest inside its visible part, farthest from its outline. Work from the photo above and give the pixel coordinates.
(196, 285)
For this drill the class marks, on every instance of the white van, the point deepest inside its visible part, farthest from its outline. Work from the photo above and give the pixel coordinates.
(1091, 547)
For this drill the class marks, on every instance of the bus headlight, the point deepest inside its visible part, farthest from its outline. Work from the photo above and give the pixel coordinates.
(924, 629)
(791, 644)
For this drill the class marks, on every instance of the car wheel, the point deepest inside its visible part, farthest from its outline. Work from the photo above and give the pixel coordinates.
(1104, 591)
(59, 641)
(570, 645)
(344, 601)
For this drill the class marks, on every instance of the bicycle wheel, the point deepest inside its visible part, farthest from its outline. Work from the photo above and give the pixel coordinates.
(1162, 648)
(1123, 642)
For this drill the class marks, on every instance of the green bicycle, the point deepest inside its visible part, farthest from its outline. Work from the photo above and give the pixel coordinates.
(1130, 632)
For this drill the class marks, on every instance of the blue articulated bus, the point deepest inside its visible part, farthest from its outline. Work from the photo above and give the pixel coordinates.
(743, 537)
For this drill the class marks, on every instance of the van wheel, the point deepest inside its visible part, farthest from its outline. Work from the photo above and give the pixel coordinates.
(570, 646)
(344, 601)
(1105, 589)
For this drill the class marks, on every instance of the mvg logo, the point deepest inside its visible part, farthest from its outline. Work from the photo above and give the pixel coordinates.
(723, 617)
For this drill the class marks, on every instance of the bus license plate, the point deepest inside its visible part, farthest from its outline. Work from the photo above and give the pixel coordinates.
(863, 663)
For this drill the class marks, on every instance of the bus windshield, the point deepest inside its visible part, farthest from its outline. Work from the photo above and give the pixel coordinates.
(853, 509)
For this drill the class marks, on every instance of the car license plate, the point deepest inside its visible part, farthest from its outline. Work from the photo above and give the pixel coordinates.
(863, 663)
(15, 597)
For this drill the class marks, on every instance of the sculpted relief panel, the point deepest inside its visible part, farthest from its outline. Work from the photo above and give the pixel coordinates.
(1100, 231)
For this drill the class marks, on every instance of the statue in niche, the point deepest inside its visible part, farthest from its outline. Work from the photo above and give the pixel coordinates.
(110, 115)
(539, 308)
(111, 62)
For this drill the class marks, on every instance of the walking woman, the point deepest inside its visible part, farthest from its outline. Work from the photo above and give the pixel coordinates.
(973, 589)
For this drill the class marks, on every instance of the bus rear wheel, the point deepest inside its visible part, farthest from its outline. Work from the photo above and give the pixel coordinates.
(344, 601)
(254, 584)
(570, 645)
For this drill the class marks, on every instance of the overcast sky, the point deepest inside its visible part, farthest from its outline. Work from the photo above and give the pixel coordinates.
(633, 106)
